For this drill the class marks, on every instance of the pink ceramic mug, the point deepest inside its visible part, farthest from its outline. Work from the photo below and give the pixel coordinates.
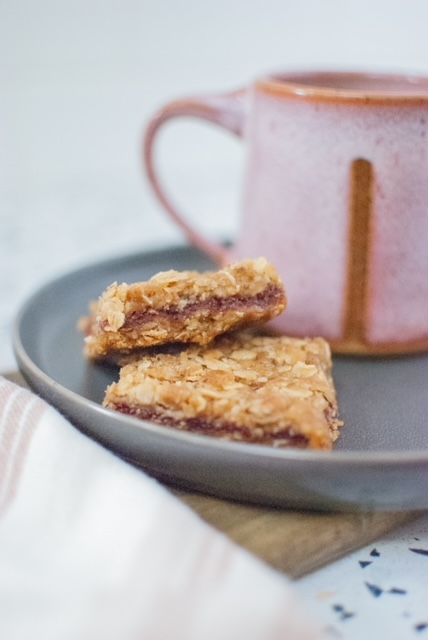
(336, 196)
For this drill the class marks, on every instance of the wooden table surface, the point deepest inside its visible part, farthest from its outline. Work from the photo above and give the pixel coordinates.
(295, 542)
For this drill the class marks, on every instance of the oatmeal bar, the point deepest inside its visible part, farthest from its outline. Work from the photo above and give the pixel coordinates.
(258, 389)
(182, 307)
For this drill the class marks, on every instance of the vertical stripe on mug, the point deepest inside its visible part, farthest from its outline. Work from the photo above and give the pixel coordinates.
(361, 211)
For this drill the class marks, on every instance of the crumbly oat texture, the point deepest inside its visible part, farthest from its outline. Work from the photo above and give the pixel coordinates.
(185, 306)
(259, 389)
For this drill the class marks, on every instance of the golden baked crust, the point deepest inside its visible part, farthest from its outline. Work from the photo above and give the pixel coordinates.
(183, 306)
(261, 389)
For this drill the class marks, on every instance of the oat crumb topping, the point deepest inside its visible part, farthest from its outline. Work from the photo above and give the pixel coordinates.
(264, 388)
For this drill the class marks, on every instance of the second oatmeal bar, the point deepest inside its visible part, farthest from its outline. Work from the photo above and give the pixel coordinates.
(265, 390)
(187, 306)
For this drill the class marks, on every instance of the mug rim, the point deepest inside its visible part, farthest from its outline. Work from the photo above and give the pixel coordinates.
(291, 84)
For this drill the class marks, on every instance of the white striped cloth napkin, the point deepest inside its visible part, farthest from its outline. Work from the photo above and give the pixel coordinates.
(92, 548)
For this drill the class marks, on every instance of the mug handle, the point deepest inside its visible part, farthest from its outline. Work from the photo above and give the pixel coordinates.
(226, 110)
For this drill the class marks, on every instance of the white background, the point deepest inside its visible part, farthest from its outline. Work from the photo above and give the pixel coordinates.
(79, 80)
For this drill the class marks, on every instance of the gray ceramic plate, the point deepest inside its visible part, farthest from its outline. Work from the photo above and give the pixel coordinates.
(380, 461)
